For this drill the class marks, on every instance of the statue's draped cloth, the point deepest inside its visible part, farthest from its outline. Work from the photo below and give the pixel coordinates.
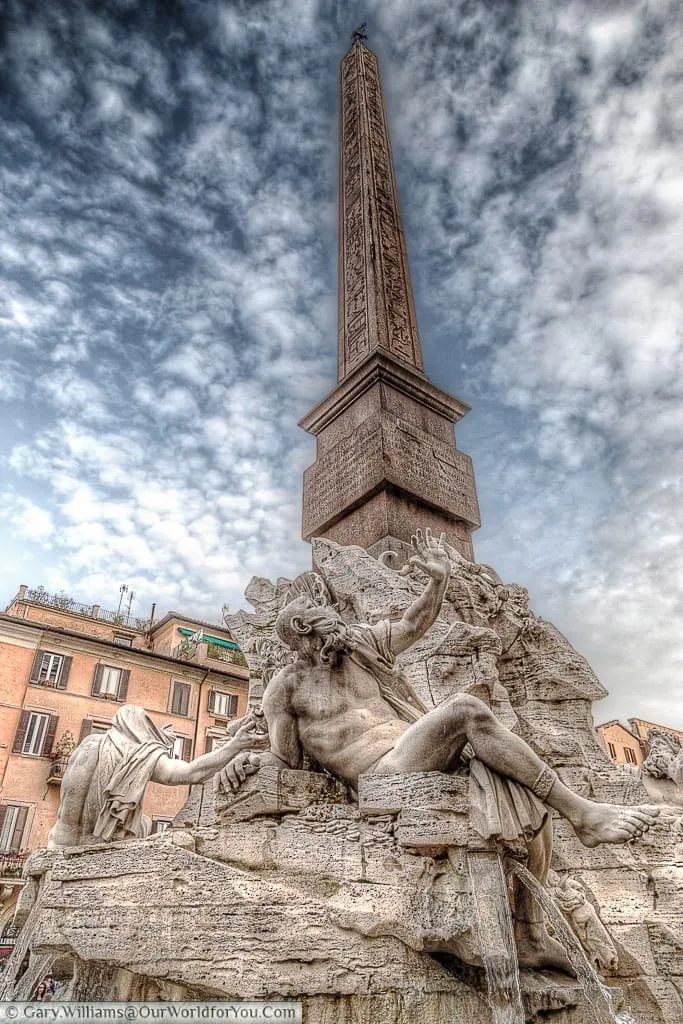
(126, 759)
(500, 808)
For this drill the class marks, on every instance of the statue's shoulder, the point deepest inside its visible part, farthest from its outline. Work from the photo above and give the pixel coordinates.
(281, 683)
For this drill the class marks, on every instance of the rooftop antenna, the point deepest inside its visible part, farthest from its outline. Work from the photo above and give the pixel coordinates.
(123, 589)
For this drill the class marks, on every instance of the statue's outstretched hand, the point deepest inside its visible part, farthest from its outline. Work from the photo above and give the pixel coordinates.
(235, 772)
(248, 737)
(430, 555)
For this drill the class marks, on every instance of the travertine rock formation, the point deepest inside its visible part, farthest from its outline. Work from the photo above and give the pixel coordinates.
(363, 906)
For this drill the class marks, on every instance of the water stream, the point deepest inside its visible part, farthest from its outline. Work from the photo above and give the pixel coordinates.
(496, 936)
(598, 995)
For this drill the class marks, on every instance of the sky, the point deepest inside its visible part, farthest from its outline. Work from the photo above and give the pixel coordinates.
(168, 177)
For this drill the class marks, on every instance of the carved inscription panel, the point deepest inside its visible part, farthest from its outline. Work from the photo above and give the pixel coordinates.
(396, 300)
(354, 341)
(392, 450)
(342, 476)
(375, 300)
(436, 472)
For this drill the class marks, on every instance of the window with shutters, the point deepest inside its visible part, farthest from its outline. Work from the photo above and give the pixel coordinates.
(182, 748)
(612, 751)
(630, 755)
(50, 669)
(36, 732)
(222, 705)
(12, 823)
(180, 698)
(111, 682)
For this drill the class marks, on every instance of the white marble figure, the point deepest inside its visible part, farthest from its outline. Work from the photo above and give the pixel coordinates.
(662, 770)
(344, 703)
(585, 922)
(105, 780)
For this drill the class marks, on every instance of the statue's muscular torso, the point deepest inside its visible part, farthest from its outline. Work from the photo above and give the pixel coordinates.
(343, 721)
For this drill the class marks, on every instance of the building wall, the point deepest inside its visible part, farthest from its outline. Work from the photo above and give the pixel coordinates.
(24, 777)
(618, 740)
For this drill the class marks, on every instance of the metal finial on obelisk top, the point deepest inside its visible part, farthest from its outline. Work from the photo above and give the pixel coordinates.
(360, 33)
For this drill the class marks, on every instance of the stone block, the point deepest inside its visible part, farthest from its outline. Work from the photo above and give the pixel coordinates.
(666, 884)
(322, 849)
(422, 829)
(245, 844)
(159, 911)
(275, 791)
(425, 918)
(41, 861)
(389, 794)
(389, 864)
(625, 896)
(26, 900)
(618, 786)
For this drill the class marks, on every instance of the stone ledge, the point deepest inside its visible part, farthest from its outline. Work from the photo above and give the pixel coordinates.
(434, 791)
(276, 791)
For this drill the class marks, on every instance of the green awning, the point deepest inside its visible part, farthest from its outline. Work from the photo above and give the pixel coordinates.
(211, 639)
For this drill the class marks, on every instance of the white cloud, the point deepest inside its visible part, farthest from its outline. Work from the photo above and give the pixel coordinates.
(167, 232)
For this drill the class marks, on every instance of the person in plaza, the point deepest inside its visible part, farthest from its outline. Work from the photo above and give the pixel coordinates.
(105, 780)
(46, 989)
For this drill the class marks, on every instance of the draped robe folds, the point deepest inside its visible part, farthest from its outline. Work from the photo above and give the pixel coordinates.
(127, 756)
(500, 808)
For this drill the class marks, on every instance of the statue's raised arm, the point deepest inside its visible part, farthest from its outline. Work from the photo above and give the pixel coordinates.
(431, 557)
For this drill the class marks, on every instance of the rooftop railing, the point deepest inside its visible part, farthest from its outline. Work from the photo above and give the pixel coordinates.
(63, 603)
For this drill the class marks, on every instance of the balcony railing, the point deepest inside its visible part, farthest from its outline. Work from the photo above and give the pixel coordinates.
(217, 653)
(188, 651)
(57, 768)
(12, 864)
(63, 603)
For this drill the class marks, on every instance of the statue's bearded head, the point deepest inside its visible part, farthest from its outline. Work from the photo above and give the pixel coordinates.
(305, 626)
(664, 747)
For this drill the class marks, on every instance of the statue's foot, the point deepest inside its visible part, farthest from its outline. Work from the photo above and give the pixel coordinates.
(612, 823)
(536, 950)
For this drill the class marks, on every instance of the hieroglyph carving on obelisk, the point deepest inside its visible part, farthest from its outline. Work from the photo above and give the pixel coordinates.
(376, 307)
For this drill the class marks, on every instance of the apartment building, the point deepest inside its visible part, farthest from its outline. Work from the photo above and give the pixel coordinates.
(628, 744)
(65, 669)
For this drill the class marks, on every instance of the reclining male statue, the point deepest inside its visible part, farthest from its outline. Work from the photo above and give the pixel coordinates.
(105, 780)
(344, 703)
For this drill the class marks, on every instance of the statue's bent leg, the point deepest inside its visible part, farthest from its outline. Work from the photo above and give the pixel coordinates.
(435, 742)
(432, 744)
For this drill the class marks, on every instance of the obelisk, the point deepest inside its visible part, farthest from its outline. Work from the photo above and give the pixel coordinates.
(386, 457)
